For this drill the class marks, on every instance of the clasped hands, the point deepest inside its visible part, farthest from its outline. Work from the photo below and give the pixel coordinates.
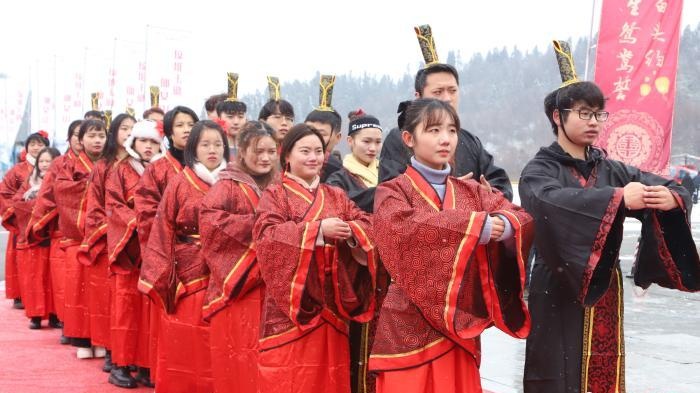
(638, 196)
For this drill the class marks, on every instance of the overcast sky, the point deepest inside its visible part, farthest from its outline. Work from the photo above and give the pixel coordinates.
(290, 39)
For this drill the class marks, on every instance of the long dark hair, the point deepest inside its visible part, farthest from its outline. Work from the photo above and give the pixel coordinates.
(50, 150)
(112, 146)
(196, 135)
(295, 133)
(73, 124)
(250, 134)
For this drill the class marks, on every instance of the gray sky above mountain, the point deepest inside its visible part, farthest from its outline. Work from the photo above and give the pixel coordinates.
(289, 39)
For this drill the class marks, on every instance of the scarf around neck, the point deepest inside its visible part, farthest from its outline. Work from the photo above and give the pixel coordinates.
(368, 174)
(207, 176)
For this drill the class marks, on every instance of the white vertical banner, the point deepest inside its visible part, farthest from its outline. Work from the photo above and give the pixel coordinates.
(96, 78)
(166, 51)
(123, 81)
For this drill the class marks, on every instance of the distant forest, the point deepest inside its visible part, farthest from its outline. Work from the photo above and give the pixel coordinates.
(501, 98)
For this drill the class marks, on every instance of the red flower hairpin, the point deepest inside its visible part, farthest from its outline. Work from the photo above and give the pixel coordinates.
(221, 124)
(159, 127)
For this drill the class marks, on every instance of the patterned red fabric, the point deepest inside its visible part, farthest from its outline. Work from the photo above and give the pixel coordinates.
(95, 232)
(122, 241)
(147, 196)
(12, 287)
(234, 344)
(57, 264)
(173, 266)
(99, 295)
(328, 285)
(603, 362)
(131, 309)
(11, 183)
(76, 317)
(32, 262)
(70, 201)
(70, 193)
(43, 219)
(234, 295)
(149, 193)
(174, 275)
(44, 212)
(444, 289)
(93, 254)
(184, 357)
(35, 281)
(226, 220)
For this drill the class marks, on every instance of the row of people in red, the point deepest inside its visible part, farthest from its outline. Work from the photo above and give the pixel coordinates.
(253, 269)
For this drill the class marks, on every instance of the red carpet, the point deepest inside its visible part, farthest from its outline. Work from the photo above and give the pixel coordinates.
(32, 361)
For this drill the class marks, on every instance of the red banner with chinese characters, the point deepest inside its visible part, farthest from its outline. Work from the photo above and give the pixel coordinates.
(636, 62)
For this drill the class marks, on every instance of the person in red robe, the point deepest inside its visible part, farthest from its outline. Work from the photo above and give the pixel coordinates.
(35, 280)
(234, 295)
(44, 210)
(455, 251)
(11, 182)
(177, 125)
(69, 201)
(173, 272)
(317, 261)
(93, 249)
(130, 309)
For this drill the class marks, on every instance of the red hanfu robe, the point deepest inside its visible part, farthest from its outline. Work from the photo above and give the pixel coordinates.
(235, 289)
(311, 292)
(8, 188)
(174, 276)
(35, 280)
(93, 255)
(45, 213)
(146, 199)
(130, 308)
(446, 288)
(68, 201)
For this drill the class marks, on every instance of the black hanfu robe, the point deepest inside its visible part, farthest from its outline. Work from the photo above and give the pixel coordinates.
(576, 344)
(357, 190)
(470, 156)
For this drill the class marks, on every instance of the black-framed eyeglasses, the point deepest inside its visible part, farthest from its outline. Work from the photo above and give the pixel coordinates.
(290, 119)
(585, 114)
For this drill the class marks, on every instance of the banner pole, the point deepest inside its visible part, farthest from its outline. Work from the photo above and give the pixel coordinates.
(588, 46)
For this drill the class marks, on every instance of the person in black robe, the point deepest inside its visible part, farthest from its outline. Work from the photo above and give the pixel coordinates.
(441, 81)
(579, 199)
(359, 175)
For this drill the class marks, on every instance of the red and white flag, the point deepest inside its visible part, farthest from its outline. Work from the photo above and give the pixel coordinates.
(636, 63)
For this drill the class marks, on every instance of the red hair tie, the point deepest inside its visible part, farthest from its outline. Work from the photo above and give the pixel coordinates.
(43, 133)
